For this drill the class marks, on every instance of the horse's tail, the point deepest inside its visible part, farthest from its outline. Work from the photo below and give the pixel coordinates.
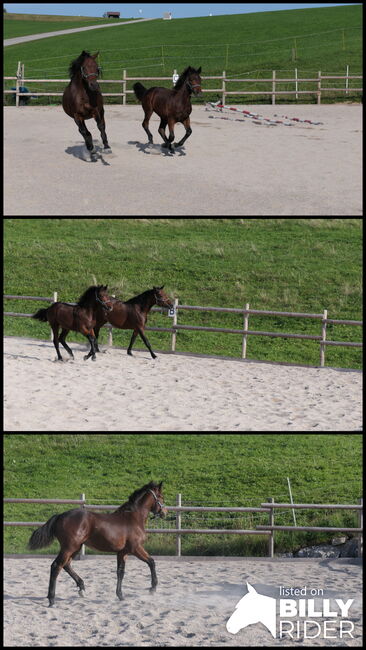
(41, 314)
(140, 90)
(44, 535)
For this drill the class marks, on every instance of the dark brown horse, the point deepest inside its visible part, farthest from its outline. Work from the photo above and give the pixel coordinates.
(121, 532)
(79, 318)
(172, 106)
(82, 99)
(132, 315)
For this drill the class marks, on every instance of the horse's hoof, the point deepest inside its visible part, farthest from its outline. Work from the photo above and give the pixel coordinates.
(94, 358)
(86, 357)
(82, 593)
(51, 603)
(107, 150)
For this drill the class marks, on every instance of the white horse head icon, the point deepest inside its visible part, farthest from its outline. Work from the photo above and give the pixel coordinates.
(253, 608)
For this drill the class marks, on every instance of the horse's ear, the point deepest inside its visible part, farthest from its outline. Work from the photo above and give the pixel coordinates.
(94, 56)
(160, 485)
(199, 70)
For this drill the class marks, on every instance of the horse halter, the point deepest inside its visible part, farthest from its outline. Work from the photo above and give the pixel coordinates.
(192, 86)
(91, 74)
(161, 302)
(156, 501)
(104, 304)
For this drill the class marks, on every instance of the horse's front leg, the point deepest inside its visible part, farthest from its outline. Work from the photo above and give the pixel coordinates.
(91, 339)
(101, 126)
(87, 137)
(146, 341)
(187, 126)
(145, 557)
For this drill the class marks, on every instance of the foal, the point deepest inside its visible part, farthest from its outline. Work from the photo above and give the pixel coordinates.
(122, 532)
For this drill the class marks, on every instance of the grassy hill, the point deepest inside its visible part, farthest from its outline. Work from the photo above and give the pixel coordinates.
(220, 469)
(244, 45)
(298, 265)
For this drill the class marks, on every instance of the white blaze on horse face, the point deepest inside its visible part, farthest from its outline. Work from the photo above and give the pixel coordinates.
(253, 608)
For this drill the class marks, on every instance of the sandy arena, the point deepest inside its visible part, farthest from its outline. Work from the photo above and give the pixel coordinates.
(194, 599)
(226, 167)
(174, 392)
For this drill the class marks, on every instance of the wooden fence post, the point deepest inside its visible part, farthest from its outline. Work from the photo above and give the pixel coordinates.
(273, 86)
(124, 87)
(245, 336)
(360, 525)
(319, 91)
(324, 336)
(175, 320)
(178, 521)
(271, 536)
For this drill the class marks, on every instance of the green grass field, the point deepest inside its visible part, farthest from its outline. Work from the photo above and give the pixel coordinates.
(298, 265)
(220, 469)
(244, 45)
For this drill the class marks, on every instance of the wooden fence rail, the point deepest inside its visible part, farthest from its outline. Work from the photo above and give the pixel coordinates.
(275, 81)
(244, 332)
(268, 507)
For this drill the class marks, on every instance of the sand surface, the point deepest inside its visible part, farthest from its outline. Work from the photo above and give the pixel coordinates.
(193, 601)
(171, 393)
(226, 167)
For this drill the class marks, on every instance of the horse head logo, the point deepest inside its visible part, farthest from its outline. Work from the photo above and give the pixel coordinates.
(253, 608)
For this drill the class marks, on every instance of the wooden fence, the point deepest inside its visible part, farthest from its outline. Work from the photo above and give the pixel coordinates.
(245, 332)
(274, 81)
(268, 507)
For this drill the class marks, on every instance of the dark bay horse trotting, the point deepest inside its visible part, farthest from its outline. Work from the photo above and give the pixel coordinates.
(79, 318)
(121, 532)
(82, 99)
(132, 315)
(172, 106)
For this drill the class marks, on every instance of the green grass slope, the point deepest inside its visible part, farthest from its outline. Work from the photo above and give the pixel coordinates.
(298, 265)
(220, 469)
(244, 45)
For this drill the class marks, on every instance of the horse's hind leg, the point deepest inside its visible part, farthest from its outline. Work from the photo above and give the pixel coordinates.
(188, 129)
(62, 559)
(87, 137)
(161, 130)
(121, 563)
(145, 124)
(55, 341)
(74, 575)
(62, 337)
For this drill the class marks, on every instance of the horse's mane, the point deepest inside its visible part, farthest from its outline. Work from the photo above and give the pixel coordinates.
(75, 65)
(182, 79)
(89, 295)
(133, 499)
(139, 298)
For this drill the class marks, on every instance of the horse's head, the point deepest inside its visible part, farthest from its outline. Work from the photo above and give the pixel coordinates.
(158, 508)
(161, 299)
(90, 70)
(194, 81)
(103, 298)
